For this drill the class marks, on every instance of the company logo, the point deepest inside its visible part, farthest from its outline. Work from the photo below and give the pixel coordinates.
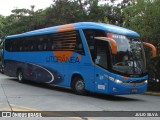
(6, 114)
(21, 114)
(64, 56)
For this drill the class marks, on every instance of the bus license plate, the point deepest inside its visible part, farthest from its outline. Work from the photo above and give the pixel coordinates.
(134, 91)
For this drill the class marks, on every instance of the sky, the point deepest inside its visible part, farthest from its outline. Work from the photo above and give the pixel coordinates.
(101, 2)
(7, 5)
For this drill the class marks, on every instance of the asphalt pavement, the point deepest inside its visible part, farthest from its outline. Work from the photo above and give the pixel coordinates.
(30, 96)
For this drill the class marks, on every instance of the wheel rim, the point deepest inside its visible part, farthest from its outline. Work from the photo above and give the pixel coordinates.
(20, 76)
(79, 85)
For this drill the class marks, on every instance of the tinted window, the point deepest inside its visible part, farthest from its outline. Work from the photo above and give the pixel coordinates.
(89, 35)
(64, 41)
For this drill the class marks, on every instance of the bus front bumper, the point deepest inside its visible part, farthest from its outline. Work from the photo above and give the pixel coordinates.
(121, 89)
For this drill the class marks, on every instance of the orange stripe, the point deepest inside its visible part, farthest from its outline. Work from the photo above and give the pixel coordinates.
(79, 57)
(70, 41)
(71, 35)
(59, 35)
(58, 39)
(66, 49)
(67, 27)
(126, 78)
(66, 32)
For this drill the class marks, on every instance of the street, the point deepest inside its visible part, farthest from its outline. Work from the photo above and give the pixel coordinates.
(30, 96)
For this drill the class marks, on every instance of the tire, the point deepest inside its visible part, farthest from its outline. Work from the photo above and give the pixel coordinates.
(20, 76)
(78, 85)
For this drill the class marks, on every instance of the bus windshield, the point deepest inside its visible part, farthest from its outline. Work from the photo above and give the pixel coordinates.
(130, 57)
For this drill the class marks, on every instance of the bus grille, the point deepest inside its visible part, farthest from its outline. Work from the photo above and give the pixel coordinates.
(134, 83)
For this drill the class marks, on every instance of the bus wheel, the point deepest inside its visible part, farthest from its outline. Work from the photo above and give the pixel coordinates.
(20, 76)
(78, 85)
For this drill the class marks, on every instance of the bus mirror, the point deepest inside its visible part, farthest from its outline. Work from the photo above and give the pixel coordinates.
(152, 47)
(112, 43)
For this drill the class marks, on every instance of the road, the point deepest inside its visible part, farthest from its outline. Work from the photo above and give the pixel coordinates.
(15, 96)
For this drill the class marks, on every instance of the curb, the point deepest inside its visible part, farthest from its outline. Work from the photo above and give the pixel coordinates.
(152, 93)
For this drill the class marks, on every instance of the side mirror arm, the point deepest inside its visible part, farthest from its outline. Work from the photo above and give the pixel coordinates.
(154, 51)
(112, 43)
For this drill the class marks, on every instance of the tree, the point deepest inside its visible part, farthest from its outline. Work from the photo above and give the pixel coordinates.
(2, 24)
(144, 18)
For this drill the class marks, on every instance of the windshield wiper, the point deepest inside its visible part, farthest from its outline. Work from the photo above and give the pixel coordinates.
(136, 64)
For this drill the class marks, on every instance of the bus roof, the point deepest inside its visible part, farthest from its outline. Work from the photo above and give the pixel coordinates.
(81, 25)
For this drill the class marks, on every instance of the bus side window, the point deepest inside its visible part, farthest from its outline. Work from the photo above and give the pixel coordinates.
(40, 44)
(48, 44)
(89, 35)
(8, 44)
(15, 44)
(12, 45)
(20, 48)
(44, 42)
(79, 46)
(36, 43)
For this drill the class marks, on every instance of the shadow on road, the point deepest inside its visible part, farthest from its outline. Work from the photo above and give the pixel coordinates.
(115, 97)
(88, 94)
(43, 85)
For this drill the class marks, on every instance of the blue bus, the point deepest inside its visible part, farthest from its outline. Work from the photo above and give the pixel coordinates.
(84, 56)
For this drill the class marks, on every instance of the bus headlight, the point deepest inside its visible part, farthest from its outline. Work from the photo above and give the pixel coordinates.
(118, 81)
(146, 81)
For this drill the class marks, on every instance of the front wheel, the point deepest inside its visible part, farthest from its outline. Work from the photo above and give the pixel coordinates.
(78, 85)
(20, 76)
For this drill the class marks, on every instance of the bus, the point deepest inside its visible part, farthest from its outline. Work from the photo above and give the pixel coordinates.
(84, 56)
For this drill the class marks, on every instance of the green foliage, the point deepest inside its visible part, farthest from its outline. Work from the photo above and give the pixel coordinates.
(154, 76)
(140, 15)
(2, 25)
(60, 12)
(144, 18)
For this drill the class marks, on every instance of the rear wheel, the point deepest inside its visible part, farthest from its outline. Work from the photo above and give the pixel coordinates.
(20, 76)
(78, 85)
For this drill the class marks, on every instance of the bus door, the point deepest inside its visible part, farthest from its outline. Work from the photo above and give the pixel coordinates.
(101, 65)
